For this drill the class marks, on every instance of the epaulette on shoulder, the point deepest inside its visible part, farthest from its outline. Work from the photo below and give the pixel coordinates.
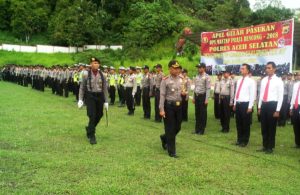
(166, 77)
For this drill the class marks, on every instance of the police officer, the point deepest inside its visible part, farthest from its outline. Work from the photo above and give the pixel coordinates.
(130, 90)
(186, 86)
(139, 77)
(226, 101)
(146, 91)
(217, 95)
(112, 80)
(94, 86)
(201, 96)
(269, 105)
(171, 108)
(121, 88)
(158, 78)
(295, 110)
(243, 102)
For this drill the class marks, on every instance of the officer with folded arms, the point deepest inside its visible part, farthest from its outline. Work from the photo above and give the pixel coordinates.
(94, 89)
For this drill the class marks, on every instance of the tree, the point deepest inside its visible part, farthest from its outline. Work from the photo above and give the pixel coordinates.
(271, 14)
(5, 15)
(28, 18)
(262, 4)
(149, 23)
(78, 24)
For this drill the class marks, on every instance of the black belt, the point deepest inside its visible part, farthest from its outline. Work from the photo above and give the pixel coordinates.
(242, 102)
(224, 96)
(95, 93)
(173, 103)
(200, 94)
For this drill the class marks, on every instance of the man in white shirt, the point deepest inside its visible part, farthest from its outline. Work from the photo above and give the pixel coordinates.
(295, 110)
(243, 103)
(269, 105)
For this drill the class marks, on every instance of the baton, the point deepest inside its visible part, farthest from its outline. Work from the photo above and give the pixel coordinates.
(106, 117)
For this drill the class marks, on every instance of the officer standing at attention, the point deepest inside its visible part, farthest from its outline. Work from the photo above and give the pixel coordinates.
(269, 105)
(130, 90)
(217, 96)
(158, 78)
(295, 110)
(226, 101)
(139, 77)
(243, 104)
(112, 80)
(94, 87)
(201, 95)
(170, 107)
(146, 88)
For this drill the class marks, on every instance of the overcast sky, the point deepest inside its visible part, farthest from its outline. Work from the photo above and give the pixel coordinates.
(287, 3)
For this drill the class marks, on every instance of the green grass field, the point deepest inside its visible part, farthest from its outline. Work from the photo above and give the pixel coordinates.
(43, 150)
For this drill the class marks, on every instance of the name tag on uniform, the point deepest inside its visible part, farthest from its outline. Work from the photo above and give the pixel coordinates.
(178, 103)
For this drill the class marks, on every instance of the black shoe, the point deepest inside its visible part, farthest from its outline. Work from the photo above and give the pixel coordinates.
(243, 145)
(237, 143)
(269, 151)
(87, 130)
(261, 150)
(130, 113)
(163, 143)
(297, 146)
(93, 140)
(173, 155)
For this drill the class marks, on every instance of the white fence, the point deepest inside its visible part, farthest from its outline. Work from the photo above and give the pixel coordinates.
(55, 49)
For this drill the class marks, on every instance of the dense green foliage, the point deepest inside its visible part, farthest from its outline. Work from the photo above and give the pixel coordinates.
(137, 25)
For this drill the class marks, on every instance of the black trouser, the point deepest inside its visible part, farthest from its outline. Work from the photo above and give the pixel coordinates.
(200, 113)
(243, 122)
(216, 106)
(65, 88)
(146, 102)
(129, 99)
(225, 112)
(53, 85)
(156, 101)
(172, 123)
(137, 96)
(268, 124)
(185, 104)
(296, 125)
(112, 94)
(283, 111)
(121, 92)
(41, 84)
(94, 104)
(76, 90)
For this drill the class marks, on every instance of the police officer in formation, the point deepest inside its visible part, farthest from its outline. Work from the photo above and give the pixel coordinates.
(112, 80)
(138, 94)
(226, 101)
(130, 90)
(94, 88)
(269, 105)
(201, 96)
(186, 87)
(243, 105)
(217, 96)
(157, 81)
(146, 92)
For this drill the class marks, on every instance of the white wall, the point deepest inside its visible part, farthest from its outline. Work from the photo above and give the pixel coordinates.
(55, 49)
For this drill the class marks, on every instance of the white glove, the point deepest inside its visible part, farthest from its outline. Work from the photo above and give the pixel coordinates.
(106, 106)
(80, 103)
(133, 95)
